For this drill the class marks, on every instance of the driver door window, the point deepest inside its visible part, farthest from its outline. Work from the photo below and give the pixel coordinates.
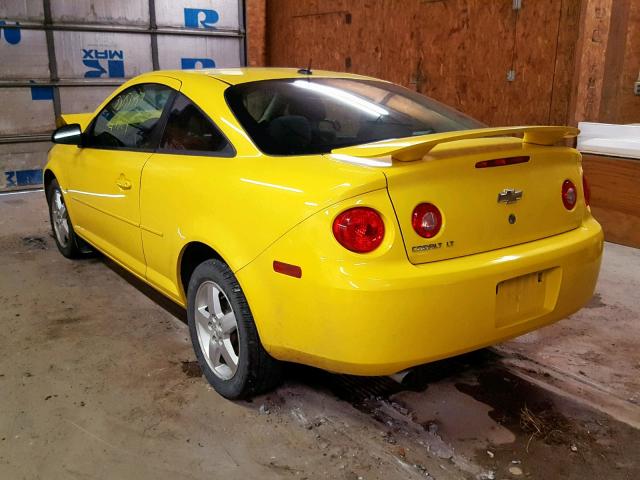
(131, 120)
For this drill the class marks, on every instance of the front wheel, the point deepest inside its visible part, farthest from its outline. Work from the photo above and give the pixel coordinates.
(69, 244)
(224, 335)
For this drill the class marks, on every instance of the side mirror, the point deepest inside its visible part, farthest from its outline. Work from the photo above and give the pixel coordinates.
(68, 135)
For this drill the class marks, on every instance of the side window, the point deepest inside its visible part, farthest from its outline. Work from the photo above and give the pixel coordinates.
(190, 130)
(131, 119)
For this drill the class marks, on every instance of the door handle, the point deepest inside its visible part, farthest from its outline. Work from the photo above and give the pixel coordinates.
(123, 183)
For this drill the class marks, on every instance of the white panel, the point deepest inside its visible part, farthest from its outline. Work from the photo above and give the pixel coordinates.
(610, 139)
(25, 56)
(27, 115)
(202, 52)
(205, 14)
(26, 10)
(20, 158)
(94, 55)
(109, 12)
(83, 99)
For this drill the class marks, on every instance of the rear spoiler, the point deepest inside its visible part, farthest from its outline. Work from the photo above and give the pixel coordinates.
(69, 118)
(415, 148)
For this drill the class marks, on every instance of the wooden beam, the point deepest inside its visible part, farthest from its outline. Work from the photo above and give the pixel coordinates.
(256, 20)
(595, 22)
(567, 32)
(612, 83)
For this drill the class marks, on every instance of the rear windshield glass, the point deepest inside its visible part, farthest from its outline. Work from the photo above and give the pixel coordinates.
(308, 116)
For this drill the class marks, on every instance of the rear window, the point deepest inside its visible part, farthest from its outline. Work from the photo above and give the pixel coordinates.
(310, 116)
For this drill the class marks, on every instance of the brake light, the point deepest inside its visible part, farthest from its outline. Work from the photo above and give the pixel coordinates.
(569, 194)
(426, 220)
(501, 162)
(586, 190)
(359, 229)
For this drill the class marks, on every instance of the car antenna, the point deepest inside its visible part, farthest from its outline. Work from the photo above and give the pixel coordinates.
(306, 71)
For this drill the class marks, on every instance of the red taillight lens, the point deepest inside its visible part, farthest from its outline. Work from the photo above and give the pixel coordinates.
(359, 229)
(501, 162)
(569, 194)
(426, 220)
(587, 191)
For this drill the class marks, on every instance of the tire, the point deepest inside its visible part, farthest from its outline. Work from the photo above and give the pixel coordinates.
(69, 244)
(224, 335)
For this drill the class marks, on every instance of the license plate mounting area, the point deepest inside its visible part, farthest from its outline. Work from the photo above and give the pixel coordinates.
(526, 297)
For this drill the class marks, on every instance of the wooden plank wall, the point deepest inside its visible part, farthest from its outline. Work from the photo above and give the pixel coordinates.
(457, 51)
(615, 196)
(629, 103)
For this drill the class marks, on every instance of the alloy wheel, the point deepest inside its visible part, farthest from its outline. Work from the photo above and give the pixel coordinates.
(60, 219)
(217, 330)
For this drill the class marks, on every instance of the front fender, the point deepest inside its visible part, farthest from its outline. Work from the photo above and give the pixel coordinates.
(55, 165)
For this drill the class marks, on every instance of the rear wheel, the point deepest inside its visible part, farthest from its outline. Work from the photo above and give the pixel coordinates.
(69, 244)
(224, 335)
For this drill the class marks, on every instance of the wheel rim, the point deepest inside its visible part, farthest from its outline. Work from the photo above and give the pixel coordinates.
(217, 330)
(60, 219)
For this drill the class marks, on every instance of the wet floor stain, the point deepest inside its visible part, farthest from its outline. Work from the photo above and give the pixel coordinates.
(69, 320)
(596, 302)
(481, 410)
(551, 438)
(34, 243)
(456, 416)
(191, 369)
(520, 406)
(16, 201)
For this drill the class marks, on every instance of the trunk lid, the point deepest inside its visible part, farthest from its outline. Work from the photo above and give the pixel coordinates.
(473, 220)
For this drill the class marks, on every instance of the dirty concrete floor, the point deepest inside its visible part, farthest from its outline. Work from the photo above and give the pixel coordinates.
(97, 380)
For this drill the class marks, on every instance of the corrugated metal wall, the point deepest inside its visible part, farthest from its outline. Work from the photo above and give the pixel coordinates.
(68, 55)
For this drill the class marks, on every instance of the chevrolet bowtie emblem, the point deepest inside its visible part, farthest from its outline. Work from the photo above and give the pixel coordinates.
(509, 195)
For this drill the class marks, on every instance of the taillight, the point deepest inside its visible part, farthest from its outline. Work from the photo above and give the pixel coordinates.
(359, 229)
(586, 190)
(569, 194)
(426, 220)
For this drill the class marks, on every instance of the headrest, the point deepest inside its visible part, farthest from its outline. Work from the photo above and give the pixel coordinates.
(290, 133)
(312, 108)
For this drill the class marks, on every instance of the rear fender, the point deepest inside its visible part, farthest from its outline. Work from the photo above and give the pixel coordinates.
(274, 297)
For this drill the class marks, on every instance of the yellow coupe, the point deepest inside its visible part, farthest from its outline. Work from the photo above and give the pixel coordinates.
(328, 219)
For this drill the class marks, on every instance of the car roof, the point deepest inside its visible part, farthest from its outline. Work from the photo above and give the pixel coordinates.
(234, 76)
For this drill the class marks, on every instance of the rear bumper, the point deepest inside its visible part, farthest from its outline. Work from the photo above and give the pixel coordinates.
(377, 319)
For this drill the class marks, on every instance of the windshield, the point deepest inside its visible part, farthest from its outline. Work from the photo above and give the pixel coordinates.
(310, 116)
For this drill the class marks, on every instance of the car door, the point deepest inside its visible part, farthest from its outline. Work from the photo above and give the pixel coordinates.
(104, 183)
(192, 147)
